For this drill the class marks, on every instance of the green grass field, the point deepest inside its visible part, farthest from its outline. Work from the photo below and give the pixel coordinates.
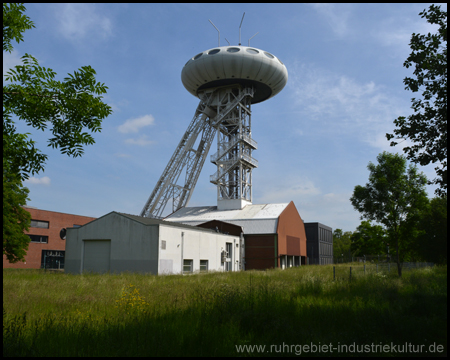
(216, 314)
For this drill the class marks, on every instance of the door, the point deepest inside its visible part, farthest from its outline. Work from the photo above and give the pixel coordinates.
(229, 262)
(96, 257)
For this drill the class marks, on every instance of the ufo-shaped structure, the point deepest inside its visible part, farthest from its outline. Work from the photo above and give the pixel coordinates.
(227, 80)
(228, 65)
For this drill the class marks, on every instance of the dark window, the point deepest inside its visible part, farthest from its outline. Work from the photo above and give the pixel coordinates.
(75, 226)
(212, 52)
(52, 259)
(39, 224)
(38, 239)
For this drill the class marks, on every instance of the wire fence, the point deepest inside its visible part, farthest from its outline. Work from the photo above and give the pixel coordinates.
(361, 259)
(348, 272)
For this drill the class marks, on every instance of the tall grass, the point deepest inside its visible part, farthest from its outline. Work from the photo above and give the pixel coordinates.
(57, 314)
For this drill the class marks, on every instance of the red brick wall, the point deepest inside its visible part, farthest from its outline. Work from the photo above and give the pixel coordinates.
(57, 221)
(291, 233)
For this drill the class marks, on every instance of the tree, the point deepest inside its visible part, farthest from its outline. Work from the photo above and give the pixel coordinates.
(71, 108)
(15, 218)
(368, 239)
(427, 127)
(394, 197)
(432, 240)
(342, 244)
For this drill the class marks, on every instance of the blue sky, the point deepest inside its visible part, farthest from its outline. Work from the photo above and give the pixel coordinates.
(315, 138)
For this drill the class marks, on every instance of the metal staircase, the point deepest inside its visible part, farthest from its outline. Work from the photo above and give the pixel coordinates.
(188, 156)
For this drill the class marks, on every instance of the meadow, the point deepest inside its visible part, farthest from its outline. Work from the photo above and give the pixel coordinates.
(297, 311)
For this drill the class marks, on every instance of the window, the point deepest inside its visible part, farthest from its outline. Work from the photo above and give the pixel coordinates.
(212, 52)
(38, 239)
(52, 259)
(76, 226)
(163, 244)
(187, 266)
(203, 265)
(233, 50)
(252, 51)
(39, 224)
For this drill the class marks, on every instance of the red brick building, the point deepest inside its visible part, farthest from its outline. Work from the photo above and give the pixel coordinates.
(46, 248)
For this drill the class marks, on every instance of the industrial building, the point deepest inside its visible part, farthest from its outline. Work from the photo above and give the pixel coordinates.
(46, 248)
(320, 243)
(274, 233)
(118, 242)
(235, 234)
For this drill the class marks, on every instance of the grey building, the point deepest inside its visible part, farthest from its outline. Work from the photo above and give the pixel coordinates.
(119, 242)
(319, 243)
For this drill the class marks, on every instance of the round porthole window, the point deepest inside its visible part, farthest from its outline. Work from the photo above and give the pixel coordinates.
(197, 56)
(214, 51)
(269, 55)
(252, 51)
(233, 50)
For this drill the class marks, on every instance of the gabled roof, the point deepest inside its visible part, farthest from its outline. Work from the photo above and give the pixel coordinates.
(151, 221)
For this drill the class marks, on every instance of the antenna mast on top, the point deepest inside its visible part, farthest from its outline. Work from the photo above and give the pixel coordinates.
(216, 29)
(252, 38)
(240, 29)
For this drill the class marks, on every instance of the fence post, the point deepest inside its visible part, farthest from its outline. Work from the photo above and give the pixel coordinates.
(350, 273)
(364, 269)
(389, 268)
(334, 273)
(377, 268)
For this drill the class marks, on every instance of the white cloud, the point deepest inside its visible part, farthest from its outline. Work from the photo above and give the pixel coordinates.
(42, 181)
(336, 15)
(10, 60)
(141, 141)
(80, 20)
(288, 189)
(344, 106)
(134, 125)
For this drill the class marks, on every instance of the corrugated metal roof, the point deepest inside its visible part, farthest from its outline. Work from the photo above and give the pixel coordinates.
(254, 219)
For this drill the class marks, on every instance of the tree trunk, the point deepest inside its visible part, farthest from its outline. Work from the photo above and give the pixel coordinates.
(399, 265)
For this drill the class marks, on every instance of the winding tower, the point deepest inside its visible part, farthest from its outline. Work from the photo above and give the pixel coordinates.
(227, 80)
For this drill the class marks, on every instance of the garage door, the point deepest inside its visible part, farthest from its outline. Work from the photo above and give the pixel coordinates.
(96, 255)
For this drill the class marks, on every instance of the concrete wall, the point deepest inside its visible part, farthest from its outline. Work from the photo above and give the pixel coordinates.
(194, 245)
(134, 246)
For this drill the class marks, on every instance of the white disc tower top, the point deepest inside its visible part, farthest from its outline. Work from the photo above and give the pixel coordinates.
(228, 65)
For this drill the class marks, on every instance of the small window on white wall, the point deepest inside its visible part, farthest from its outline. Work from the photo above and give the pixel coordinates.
(163, 244)
(187, 266)
(203, 265)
